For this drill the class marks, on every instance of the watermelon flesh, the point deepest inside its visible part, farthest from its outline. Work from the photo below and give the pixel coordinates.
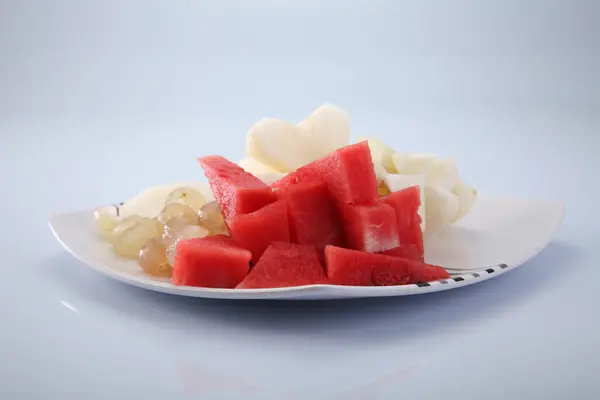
(406, 203)
(327, 213)
(236, 191)
(212, 262)
(257, 230)
(356, 268)
(312, 172)
(408, 251)
(312, 215)
(370, 228)
(348, 172)
(284, 265)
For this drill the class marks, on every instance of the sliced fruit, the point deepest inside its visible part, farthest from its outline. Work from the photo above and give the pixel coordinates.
(185, 233)
(211, 218)
(408, 251)
(106, 220)
(255, 167)
(370, 228)
(151, 201)
(413, 163)
(178, 210)
(213, 262)
(312, 215)
(442, 208)
(237, 191)
(406, 203)
(397, 182)
(285, 265)
(422, 273)
(173, 226)
(381, 153)
(125, 224)
(354, 180)
(466, 198)
(325, 130)
(356, 268)
(380, 172)
(130, 235)
(270, 177)
(348, 172)
(257, 230)
(153, 259)
(382, 189)
(188, 197)
(315, 171)
(443, 173)
(278, 144)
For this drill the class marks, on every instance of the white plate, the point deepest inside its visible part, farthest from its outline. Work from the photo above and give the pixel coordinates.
(498, 235)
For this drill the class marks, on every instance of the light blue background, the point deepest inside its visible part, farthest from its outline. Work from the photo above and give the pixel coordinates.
(100, 99)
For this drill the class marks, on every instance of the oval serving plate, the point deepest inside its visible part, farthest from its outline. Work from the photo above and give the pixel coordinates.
(499, 234)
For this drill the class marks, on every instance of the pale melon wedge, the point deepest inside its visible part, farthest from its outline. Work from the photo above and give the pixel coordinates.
(442, 208)
(381, 153)
(442, 173)
(254, 166)
(326, 130)
(466, 198)
(278, 145)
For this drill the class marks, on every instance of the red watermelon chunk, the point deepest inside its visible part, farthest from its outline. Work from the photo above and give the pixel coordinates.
(354, 181)
(348, 173)
(236, 191)
(406, 203)
(356, 268)
(256, 231)
(408, 251)
(369, 228)
(213, 262)
(284, 265)
(311, 172)
(428, 273)
(312, 215)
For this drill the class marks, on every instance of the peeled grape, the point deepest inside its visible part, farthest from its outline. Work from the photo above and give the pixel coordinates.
(123, 225)
(106, 220)
(153, 259)
(178, 210)
(188, 232)
(173, 226)
(188, 197)
(130, 235)
(212, 219)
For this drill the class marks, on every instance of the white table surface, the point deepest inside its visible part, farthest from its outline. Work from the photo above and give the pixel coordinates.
(99, 100)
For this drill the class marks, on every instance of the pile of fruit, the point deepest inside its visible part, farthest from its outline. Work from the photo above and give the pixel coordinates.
(294, 214)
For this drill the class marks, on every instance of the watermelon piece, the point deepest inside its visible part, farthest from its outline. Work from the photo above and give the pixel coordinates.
(312, 215)
(348, 172)
(311, 172)
(236, 191)
(423, 272)
(213, 262)
(406, 203)
(356, 268)
(408, 251)
(370, 228)
(285, 265)
(256, 231)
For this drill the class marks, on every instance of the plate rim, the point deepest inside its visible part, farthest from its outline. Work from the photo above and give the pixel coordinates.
(293, 292)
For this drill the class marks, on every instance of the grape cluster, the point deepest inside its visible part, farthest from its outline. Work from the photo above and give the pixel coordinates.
(153, 241)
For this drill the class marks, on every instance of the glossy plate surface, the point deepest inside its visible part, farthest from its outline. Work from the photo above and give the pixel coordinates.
(499, 234)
